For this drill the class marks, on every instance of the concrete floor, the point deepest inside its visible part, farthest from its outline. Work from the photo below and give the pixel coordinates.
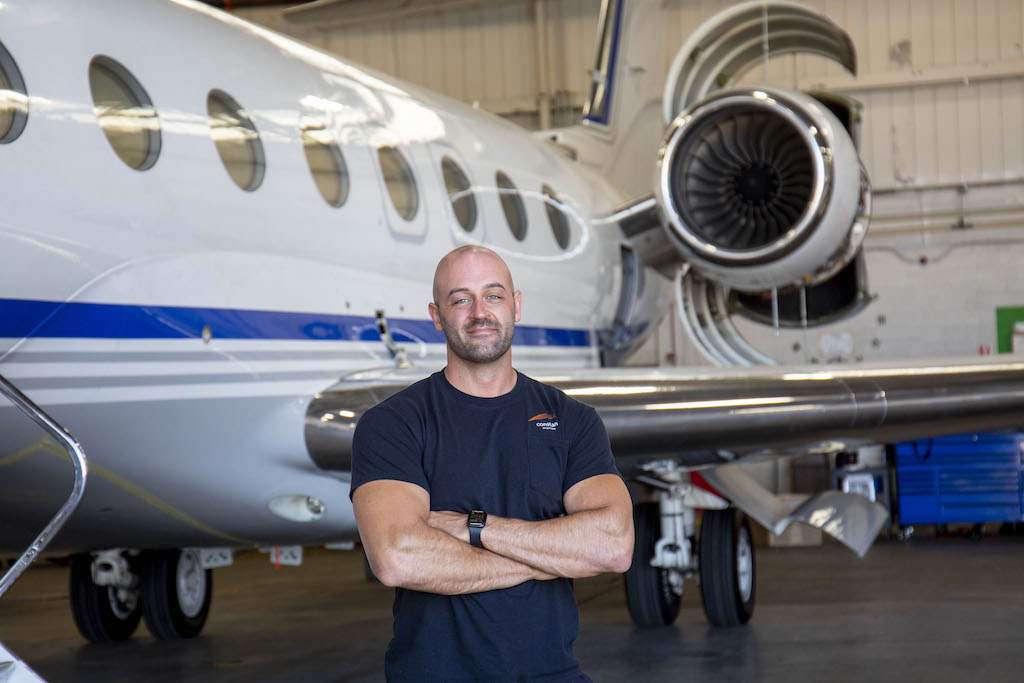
(929, 609)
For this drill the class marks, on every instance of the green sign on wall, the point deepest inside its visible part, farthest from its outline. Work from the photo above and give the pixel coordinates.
(1005, 318)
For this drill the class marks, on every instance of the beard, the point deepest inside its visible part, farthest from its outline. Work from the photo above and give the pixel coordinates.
(478, 351)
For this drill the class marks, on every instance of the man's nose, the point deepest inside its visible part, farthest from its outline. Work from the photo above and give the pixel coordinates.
(479, 309)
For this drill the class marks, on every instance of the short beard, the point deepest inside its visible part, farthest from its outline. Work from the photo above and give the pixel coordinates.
(482, 352)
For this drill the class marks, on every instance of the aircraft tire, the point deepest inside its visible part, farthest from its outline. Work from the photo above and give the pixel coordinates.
(98, 613)
(176, 594)
(727, 571)
(649, 595)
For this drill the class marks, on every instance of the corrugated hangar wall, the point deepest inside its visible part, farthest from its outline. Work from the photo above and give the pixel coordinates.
(929, 70)
(485, 55)
(942, 84)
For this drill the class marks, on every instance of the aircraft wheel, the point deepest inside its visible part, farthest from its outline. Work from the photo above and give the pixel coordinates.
(176, 593)
(726, 567)
(102, 614)
(649, 593)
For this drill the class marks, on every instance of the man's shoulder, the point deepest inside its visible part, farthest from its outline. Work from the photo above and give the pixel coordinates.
(404, 403)
(555, 399)
(416, 391)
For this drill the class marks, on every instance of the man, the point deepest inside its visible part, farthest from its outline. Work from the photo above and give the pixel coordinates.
(531, 469)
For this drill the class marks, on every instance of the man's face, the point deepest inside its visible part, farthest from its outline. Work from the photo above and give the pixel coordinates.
(477, 308)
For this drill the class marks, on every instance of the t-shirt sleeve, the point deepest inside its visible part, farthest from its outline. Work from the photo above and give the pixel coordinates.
(385, 447)
(590, 452)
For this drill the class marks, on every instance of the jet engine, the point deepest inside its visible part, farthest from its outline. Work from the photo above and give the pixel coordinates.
(760, 202)
(762, 188)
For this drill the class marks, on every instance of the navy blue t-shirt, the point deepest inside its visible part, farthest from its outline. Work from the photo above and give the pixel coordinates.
(514, 456)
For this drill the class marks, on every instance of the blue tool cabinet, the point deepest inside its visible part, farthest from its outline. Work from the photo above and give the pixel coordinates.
(963, 478)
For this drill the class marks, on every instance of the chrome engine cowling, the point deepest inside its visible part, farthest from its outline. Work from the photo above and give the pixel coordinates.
(762, 188)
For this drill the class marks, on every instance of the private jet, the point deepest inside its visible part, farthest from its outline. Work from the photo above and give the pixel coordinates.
(216, 252)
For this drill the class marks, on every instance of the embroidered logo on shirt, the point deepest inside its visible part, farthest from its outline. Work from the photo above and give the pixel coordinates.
(545, 421)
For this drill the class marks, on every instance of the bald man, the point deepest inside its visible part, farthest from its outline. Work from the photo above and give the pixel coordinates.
(480, 494)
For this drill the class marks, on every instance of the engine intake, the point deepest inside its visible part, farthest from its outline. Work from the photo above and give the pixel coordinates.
(762, 188)
(743, 181)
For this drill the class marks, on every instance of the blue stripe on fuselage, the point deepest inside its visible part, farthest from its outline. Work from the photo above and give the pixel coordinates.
(23, 318)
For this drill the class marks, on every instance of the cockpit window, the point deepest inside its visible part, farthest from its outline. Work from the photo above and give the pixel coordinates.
(13, 98)
(125, 112)
(327, 164)
(512, 205)
(459, 193)
(237, 140)
(400, 181)
(556, 216)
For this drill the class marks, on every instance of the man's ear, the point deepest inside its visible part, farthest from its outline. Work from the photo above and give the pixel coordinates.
(518, 299)
(435, 315)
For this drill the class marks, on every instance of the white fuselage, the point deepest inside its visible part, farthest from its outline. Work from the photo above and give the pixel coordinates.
(179, 326)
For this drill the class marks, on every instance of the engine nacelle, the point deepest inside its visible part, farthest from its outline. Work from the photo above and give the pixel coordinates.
(762, 188)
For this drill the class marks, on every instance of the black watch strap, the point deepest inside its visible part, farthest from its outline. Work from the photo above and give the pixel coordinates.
(474, 536)
(476, 521)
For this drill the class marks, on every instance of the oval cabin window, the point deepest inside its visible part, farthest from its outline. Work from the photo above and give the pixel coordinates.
(460, 194)
(327, 164)
(400, 182)
(512, 205)
(125, 112)
(556, 217)
(237, 140)
(13, 98)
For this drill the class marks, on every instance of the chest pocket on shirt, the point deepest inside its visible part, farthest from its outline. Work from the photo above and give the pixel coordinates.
(547, 459)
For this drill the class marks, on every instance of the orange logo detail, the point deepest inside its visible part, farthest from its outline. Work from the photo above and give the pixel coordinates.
(542, 416)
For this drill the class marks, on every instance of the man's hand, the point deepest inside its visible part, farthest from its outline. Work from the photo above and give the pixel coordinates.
(452, 523)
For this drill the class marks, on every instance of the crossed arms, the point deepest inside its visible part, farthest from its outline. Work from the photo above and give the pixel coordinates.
(409, 546)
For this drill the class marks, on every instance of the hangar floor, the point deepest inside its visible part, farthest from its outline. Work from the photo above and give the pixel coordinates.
(930, 609)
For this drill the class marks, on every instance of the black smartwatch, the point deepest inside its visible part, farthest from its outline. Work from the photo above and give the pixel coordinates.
(476, 521)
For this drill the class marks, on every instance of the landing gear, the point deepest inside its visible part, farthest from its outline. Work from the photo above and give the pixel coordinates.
(176, 593)
(726, 567)
(104, 597)
(666, 552)
(651, 593)
(111, 590)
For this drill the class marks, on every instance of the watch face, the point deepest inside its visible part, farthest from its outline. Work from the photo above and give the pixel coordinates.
(477, 518)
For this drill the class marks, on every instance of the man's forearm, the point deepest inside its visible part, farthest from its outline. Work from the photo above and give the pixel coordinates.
(432, 561)
(582, 544)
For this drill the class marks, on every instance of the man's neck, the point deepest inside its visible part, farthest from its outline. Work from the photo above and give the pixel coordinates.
(484, 380)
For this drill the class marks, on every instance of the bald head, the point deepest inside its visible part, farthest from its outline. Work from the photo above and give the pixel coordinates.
(467, 260)
(476, 306)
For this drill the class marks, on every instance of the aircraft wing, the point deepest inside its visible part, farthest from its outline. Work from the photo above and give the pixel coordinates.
(713, 419)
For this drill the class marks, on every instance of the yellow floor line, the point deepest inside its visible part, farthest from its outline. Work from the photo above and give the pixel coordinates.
(23, 453)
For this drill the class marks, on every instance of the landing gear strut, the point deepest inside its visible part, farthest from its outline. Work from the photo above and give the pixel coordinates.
(104, 596)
